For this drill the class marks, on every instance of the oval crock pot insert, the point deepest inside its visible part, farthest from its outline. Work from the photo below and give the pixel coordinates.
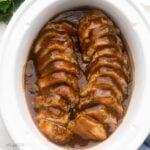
(78, 93)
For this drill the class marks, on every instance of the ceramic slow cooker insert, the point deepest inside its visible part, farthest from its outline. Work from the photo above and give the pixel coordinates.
(16, 44)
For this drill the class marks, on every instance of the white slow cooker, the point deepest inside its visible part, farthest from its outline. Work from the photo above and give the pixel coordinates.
(18, 38)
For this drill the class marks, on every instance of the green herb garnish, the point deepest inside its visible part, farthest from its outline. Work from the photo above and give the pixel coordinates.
(7, 8)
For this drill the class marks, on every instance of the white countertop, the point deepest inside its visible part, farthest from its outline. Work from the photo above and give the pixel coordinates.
(6, 142)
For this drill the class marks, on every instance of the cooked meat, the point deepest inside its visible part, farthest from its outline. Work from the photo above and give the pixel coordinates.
(53, 114)
(57, 78)
(103, 81)
(108, 52)
(62, 27)
(113, 41)
(43, 41)
(59, 66)
(55, 132)
(91, 21)
(102, 31)
(51, 100)
(55, 32)
(107, 61)
(58, 71)
(107, 76)
(116, 75)
(85, 102)
(105, 97)
(56, 45)
(101, 114)
(88, 128)
(54, 56)
(95, 32)
(66, 92)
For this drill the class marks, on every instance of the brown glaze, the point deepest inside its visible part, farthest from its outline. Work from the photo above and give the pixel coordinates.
(110, 76)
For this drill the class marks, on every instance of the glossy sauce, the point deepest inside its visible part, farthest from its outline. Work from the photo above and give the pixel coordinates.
(31, 75)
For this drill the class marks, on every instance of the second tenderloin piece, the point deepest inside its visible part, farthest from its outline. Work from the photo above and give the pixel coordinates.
(58, 82)
(107, 75)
